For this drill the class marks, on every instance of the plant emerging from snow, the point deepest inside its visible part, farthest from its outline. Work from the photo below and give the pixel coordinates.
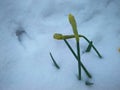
(77, 38)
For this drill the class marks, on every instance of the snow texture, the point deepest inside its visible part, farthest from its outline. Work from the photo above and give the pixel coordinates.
(26, 38)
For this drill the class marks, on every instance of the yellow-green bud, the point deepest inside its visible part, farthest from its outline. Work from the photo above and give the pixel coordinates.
(58, 36)
(74, 26)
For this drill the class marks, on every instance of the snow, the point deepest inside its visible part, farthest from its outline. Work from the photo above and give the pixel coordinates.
(26, 64)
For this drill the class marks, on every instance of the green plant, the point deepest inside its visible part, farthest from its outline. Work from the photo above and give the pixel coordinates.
(90, 43)
(77, 38)
(74, 27)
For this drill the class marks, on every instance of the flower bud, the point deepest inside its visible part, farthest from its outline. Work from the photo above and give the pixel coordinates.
(58, 36)
(74, 26)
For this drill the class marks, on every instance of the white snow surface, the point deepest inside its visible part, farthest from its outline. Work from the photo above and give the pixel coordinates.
(26, 64)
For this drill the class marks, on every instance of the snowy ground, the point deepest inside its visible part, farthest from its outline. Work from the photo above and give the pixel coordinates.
(26, 65)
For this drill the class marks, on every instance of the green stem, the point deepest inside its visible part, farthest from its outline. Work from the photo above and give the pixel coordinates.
(79, 60)
(86, 71)
(56, 65)
(61, 37)
(89, 47)
(92, 46)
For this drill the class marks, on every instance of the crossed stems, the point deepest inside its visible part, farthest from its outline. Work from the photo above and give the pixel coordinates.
(86, 71)
(64, 37)
(61, 37)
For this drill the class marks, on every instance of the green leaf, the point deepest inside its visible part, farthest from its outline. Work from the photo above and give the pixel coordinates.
(55, 63)
(89, 47)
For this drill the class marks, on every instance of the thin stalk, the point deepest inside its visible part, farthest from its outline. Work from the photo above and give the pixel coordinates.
(74, 54)
(55, 63)
(66, 42)
(79, 60)
(89, 47)
(92, 46)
